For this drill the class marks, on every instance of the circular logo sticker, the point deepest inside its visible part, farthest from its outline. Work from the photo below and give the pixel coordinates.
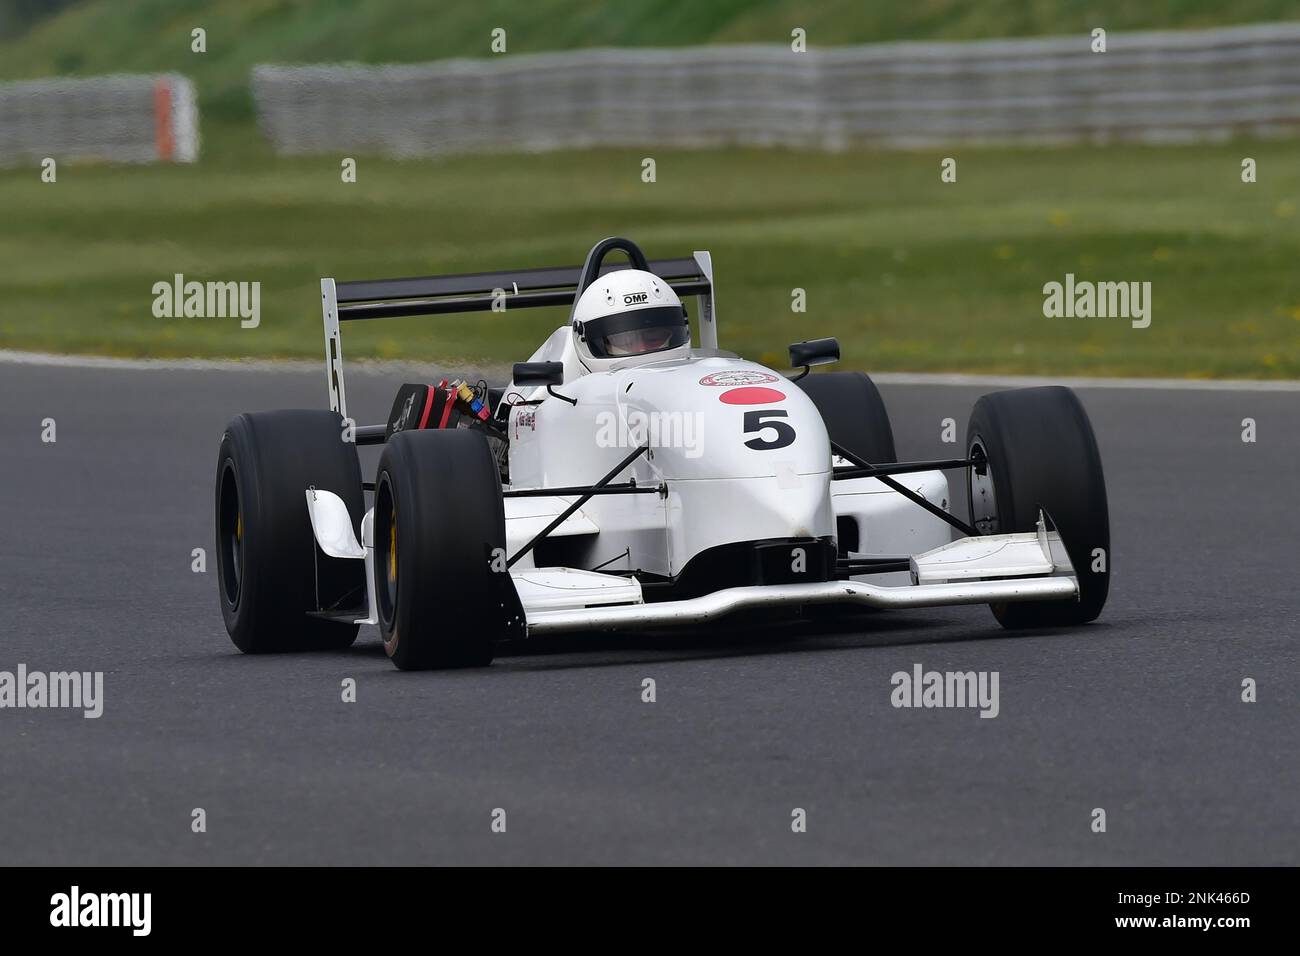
(740, 377)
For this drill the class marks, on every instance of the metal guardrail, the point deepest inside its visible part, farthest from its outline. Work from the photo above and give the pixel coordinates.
(1147, 87)
(127, 119)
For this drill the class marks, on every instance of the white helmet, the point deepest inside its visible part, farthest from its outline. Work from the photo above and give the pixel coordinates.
(627, 314)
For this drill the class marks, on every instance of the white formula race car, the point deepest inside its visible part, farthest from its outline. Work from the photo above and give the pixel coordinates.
(627, 479)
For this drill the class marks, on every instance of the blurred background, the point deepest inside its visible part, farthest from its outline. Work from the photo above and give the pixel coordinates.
(801, 143)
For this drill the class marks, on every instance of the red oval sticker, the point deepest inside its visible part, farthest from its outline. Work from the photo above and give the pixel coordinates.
(751, 396)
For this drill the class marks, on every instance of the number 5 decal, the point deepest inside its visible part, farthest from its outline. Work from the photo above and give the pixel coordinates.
(754, 422)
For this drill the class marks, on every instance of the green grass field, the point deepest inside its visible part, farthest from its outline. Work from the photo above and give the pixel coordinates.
(908, 272)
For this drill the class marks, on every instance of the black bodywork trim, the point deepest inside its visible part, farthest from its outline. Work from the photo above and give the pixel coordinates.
(745, 564)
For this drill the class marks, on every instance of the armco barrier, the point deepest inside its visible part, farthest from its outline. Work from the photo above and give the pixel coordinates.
(125, 119)
(1147, 87)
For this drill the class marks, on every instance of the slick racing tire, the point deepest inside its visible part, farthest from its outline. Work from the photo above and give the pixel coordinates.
(1041, 454)
(854, 414)
(270, 572)
(442, 593)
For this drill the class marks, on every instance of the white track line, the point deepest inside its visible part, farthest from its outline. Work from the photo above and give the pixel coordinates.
(305, 366)
(375, 367)
(1079, 381)
(12, 357)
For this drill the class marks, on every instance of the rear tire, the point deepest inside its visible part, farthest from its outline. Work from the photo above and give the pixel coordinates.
(854, 413)
(1042, 454)
(269, 570)
(439, 531)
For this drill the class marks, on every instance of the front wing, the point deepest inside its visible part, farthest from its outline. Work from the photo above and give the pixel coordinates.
(991, 569)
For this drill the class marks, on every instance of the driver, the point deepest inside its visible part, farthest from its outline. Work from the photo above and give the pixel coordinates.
(654, 338)
(629, 314)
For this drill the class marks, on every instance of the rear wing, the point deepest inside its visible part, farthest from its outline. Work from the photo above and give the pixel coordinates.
(484, 291)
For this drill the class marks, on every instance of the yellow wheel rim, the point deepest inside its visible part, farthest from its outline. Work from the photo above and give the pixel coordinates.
(392, 547)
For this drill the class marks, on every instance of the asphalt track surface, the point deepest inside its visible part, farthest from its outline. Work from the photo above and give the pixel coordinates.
(1139, 714)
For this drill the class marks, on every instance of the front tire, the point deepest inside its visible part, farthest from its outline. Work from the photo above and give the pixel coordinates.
(854, 413)
(269, 571)
(1042, 454)
(442, 593)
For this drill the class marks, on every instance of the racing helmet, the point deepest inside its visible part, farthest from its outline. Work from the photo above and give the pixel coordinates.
(627, 315)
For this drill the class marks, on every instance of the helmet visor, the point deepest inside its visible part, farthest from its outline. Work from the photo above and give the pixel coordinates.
(637, 333)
